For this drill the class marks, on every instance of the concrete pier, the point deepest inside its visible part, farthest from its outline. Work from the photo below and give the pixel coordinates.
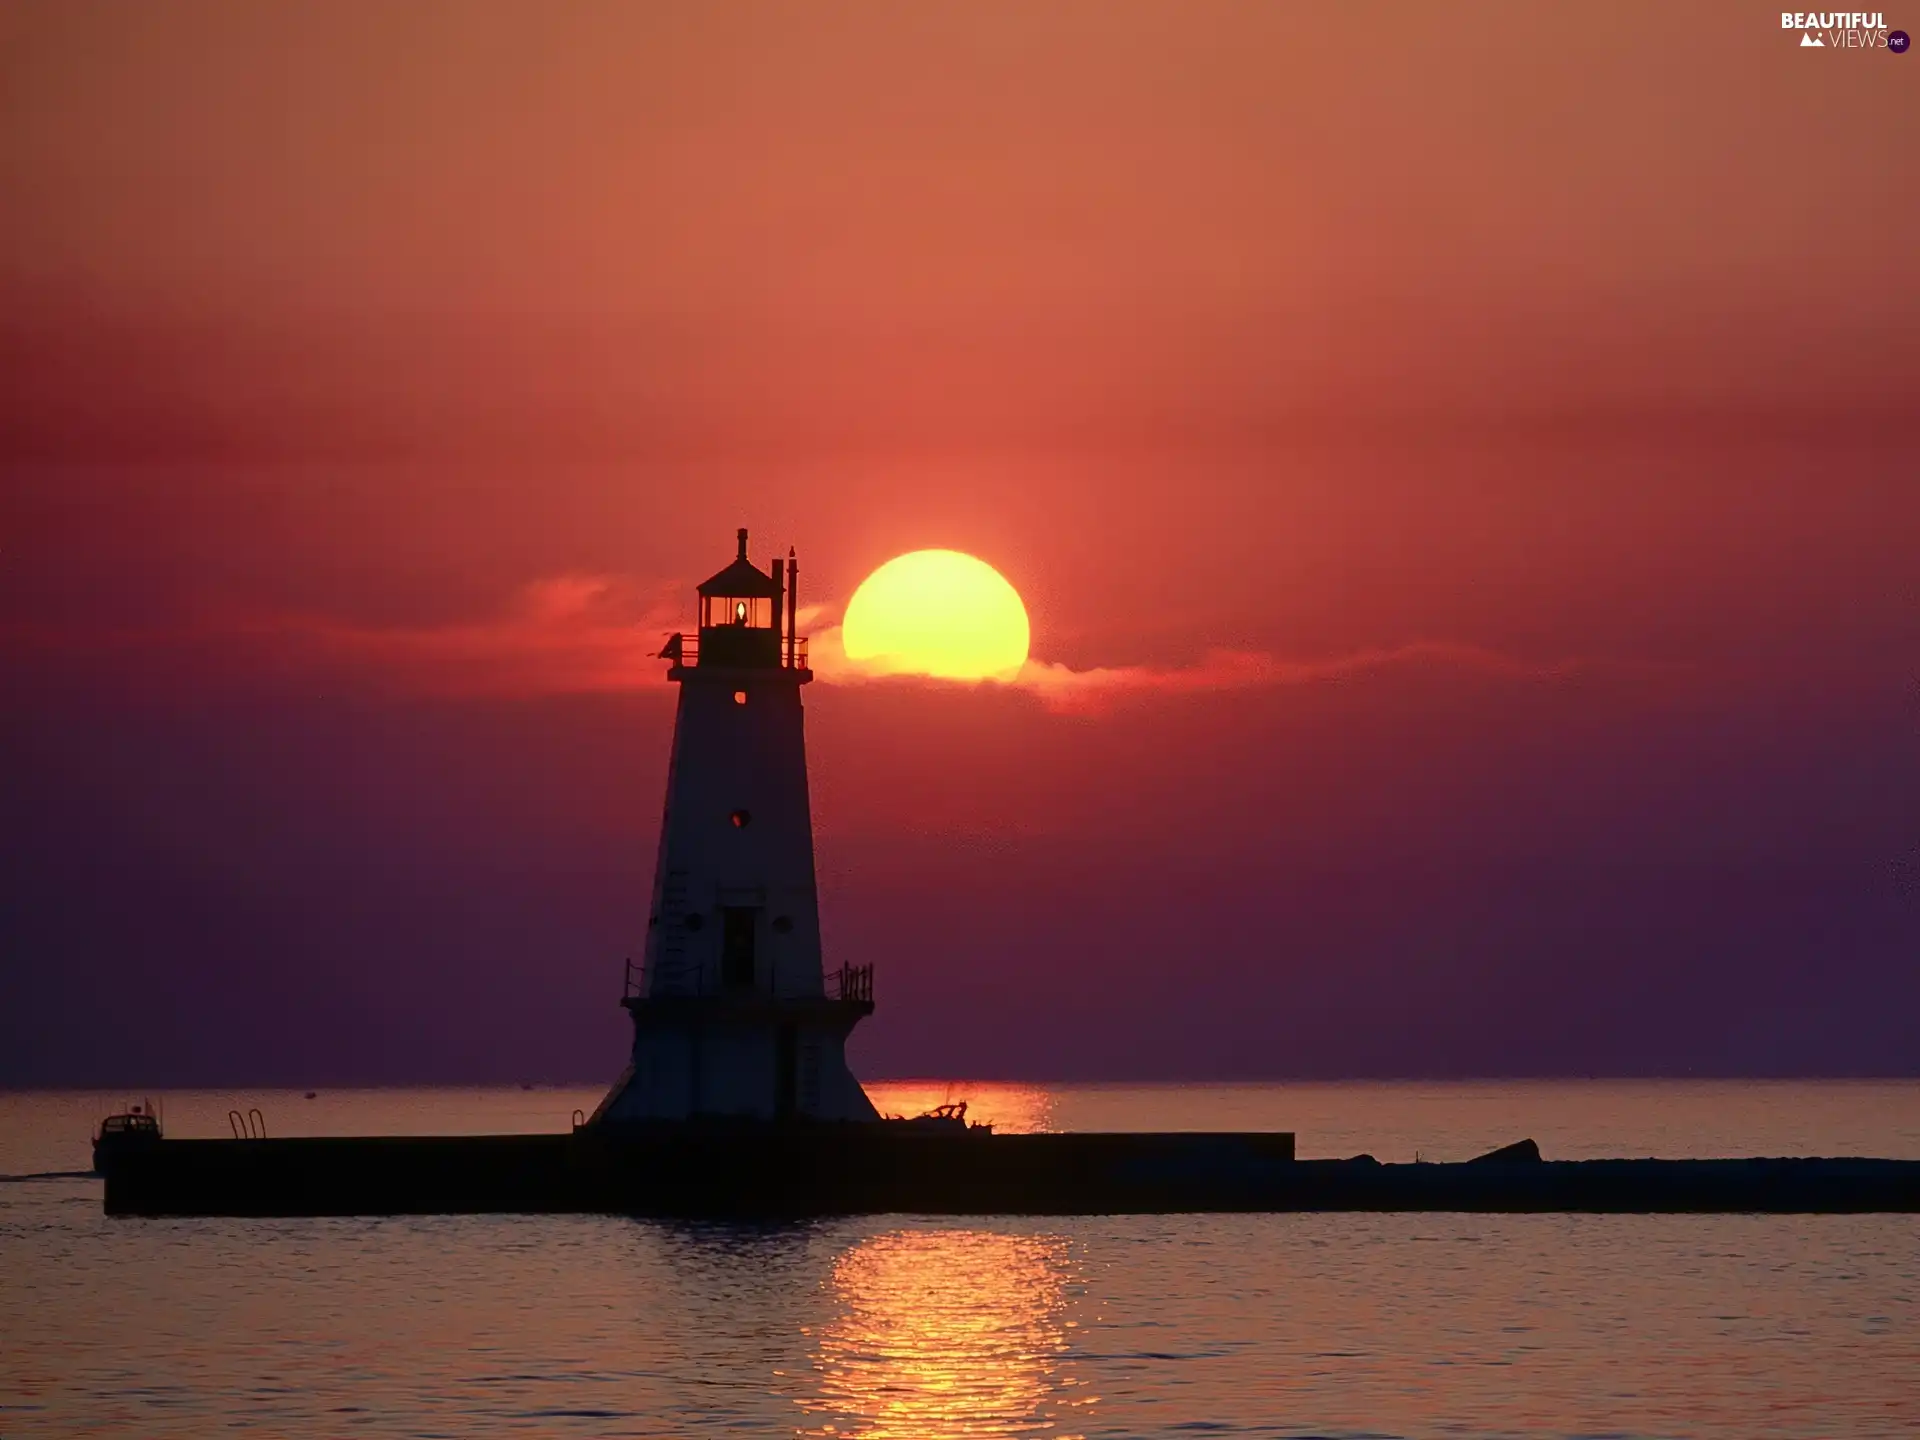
(804, 1170)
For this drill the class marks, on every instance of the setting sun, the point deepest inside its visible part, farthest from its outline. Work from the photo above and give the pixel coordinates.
(937, 612)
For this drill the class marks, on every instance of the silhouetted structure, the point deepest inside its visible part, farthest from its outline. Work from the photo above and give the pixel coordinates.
(733, 1014)
(739, 1056)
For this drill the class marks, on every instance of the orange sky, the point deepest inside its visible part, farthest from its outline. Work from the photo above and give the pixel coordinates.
(851, 222)
(379, 370)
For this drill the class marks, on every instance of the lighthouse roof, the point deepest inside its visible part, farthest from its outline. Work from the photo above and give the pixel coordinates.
(742, 577)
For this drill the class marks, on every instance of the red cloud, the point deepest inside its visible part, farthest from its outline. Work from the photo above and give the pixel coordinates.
(1063, 688)
(570, 634)
(585, 634)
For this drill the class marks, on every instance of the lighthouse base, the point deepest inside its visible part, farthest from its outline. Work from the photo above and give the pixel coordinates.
(707, 1058)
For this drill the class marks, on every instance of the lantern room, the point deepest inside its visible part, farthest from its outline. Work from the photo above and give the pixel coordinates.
(743, 612)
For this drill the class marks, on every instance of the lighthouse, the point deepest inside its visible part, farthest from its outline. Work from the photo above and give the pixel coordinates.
(734, 1013)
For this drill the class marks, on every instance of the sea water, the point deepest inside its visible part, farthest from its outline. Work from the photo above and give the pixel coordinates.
(921, 1329)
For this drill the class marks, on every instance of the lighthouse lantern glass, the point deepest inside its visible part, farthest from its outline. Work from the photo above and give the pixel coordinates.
(752, 612)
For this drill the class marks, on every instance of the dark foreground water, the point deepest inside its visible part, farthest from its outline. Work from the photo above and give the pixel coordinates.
(1286, 1325)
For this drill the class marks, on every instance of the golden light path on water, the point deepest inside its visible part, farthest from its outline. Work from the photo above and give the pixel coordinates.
(948, 1333)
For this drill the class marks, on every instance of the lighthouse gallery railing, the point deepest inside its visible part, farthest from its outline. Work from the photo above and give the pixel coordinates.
(850, 982)
(684, 649)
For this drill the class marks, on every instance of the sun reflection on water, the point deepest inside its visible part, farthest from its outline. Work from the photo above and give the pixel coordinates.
(948, 1333)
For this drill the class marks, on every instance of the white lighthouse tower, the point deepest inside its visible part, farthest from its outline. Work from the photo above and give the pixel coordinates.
(733, 1013)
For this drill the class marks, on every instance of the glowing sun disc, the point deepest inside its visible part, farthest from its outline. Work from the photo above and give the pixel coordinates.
(937, 612)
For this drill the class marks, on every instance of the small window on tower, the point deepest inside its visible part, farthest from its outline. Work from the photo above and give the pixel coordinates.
(741, 819)
(739, 697)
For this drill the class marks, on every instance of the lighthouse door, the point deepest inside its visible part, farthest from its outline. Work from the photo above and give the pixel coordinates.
(736, 946)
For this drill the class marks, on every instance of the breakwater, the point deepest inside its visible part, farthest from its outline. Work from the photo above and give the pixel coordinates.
(802, 1170)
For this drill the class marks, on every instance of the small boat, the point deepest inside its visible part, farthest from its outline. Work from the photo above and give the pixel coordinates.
(135, 1127)
(948, 1118)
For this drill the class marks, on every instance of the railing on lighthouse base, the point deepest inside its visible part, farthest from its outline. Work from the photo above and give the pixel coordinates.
(852, 984)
